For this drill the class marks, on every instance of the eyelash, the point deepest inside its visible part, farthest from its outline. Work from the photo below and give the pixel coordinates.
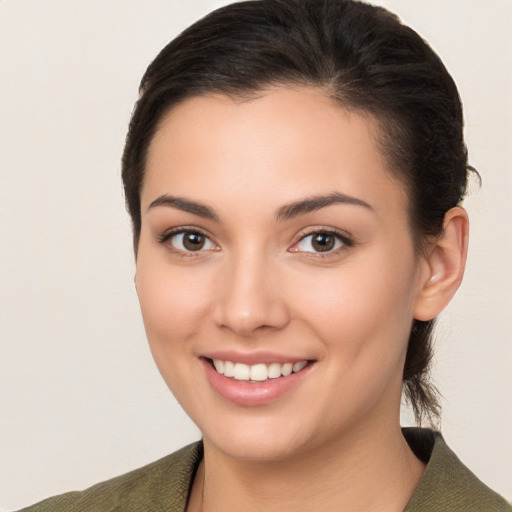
(165, 238)
(339, 236)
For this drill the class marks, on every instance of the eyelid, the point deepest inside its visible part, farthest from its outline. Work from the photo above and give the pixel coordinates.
(169, 233)
(341, 235)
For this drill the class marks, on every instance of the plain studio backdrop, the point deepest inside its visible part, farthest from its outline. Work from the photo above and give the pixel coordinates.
(81, 399)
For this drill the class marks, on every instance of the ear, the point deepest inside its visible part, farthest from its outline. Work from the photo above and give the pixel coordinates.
(445, 263)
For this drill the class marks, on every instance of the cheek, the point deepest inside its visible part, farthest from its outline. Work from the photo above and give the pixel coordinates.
(173, 301)
(173, 305)
(360, 312)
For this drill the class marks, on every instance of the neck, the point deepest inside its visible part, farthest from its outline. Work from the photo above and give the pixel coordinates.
(365, 471)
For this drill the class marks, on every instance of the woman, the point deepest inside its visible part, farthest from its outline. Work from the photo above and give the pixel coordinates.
(294, 172)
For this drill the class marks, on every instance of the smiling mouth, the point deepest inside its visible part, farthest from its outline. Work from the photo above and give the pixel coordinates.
(257, 372)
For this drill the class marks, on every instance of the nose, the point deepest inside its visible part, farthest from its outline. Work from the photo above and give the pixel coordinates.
(249, 298)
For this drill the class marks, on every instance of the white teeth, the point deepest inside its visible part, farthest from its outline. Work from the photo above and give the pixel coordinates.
(287, 369)
(219, 366)
(242, 371)
(257, 372)
(229, 368)
(274, 371)
(297, 367)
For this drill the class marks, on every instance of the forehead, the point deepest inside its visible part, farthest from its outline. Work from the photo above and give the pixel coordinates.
(279, 144)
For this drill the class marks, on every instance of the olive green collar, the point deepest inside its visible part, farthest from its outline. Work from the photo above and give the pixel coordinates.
(446, 486)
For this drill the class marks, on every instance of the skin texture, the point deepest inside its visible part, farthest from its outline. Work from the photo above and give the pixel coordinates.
(259, 285)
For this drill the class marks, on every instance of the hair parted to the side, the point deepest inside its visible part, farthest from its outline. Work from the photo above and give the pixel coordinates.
(366, 60)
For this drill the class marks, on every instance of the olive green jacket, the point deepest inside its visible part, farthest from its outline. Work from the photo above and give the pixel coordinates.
(163, 486)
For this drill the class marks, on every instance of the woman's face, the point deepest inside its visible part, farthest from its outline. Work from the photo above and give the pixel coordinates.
(273, 235)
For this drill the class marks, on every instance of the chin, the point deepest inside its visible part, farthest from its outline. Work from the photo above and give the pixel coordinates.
(255, 448)
(261, 439)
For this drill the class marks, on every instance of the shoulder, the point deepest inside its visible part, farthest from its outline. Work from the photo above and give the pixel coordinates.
(447, 484)
(160, 486)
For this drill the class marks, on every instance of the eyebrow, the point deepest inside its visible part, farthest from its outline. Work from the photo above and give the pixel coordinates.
(314, 203)
(286, 212)
(185, 205)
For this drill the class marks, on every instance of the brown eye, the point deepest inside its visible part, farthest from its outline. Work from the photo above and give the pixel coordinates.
(189, 241)
(193, 241)
(323, 242)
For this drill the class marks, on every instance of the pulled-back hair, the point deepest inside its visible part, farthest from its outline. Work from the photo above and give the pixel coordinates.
(359, 55)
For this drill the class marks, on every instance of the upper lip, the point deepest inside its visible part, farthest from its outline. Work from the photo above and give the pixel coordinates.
(251, 358)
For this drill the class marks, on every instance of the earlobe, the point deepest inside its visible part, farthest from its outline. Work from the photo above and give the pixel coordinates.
(446, 260)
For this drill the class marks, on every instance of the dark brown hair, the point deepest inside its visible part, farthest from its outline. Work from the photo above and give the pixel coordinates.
(366, 60)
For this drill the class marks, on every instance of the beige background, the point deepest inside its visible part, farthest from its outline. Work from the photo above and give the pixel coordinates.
(80, 398)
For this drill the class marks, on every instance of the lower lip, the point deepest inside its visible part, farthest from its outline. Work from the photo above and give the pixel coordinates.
(251, 394)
